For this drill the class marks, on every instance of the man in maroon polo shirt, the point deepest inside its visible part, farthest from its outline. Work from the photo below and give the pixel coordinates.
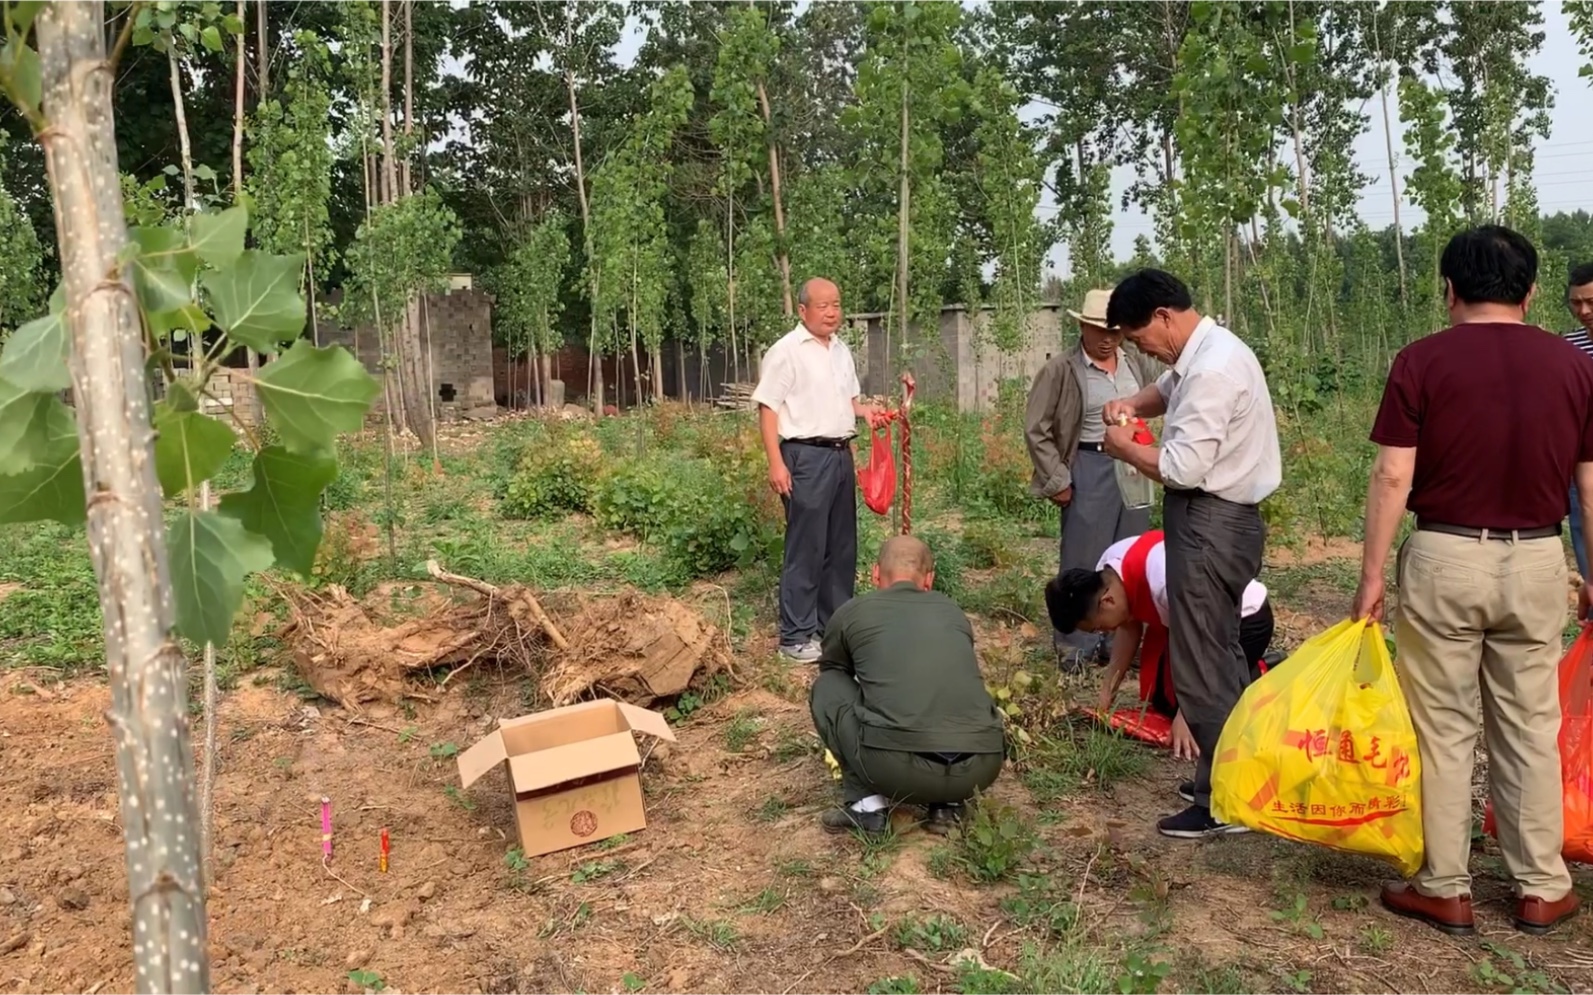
(1482, 428)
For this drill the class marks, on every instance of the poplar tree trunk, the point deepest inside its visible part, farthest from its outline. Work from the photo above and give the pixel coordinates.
(413, 384)
(148, 715)
(252, 411)
(903, 214)
(782, 255)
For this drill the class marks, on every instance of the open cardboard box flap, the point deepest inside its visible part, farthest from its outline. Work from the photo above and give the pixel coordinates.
(579, 753)
(545, 768)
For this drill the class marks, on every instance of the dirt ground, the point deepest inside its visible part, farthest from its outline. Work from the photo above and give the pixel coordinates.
(733, 887)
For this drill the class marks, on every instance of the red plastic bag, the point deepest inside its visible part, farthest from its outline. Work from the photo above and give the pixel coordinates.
(878, 479)
(1576, 750)
(1145, 725)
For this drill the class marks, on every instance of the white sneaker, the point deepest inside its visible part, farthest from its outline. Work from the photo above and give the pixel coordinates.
(807, 652)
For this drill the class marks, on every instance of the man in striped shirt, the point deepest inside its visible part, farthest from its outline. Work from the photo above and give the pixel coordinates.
(1579, 297)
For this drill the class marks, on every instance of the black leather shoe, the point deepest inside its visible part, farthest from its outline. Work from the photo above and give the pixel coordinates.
(844, 820)
(942, 819)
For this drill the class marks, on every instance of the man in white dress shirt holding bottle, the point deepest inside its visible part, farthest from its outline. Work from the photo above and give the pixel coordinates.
(1218, 460)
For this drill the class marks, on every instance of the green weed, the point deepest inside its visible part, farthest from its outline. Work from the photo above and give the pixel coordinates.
(1508, 970)
(794, 869)
(614, 842)
(592, 870)
(368, 980)
(1298, 912)
(1090, 756)
(632, 982)
(931, 935)
(773, 809)
(994, 841)
(717, 933)
(894, 985)
(1141, 975)
(1038, 905)
(743, 729)
(454, 795)
(766, 902)
(1374, 939)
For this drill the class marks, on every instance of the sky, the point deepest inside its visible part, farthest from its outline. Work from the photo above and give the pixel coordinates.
(1564, 160)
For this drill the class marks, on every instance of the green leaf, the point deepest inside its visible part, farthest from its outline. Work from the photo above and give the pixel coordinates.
(211, 38)
(25, 426)
(218, 236)
(21, 14)
(188, 320)
(284, 505)
(205, 173)
(53, 489)
(257, 299)
(210, 556)
(35, 358)
(189, 448)
(311, 394)
(163, 268)
(22, 75)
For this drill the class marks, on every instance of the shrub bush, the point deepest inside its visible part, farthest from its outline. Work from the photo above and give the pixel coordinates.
(557, 477)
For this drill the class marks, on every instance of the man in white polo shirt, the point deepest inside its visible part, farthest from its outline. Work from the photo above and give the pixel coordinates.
(808, 408)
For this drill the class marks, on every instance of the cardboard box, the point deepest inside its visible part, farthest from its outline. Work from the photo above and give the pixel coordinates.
(574, 771)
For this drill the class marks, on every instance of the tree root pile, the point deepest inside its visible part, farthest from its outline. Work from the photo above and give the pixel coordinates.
(631, 646)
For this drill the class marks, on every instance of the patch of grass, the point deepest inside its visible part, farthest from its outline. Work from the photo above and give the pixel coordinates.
(444, 751)
(1298, 980)
(931, 935)
(632, 982)
(454, 795)
(1142, 975)
(773, 809)
(53, 619)
(994, 841)
(1039, 905)
(717, 933)
(797, 868)
(1083, 756)
(1222, 979)
(942, 862)
(766, 902)
(1374, 939)
(794, 744)
(593, 870)
(743, 729)
(1508, 970)
(1298, 912)
(614, 842)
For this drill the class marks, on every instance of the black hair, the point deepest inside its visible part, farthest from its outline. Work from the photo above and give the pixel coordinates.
(1071, 596)
(1139, 296)
(1580, 276)
(1490, 264)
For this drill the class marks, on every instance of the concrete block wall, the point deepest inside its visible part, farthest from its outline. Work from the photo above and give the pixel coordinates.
(460, 325)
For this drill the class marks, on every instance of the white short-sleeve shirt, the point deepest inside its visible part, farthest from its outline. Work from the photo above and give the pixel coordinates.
(809, 384)
(1156, 575)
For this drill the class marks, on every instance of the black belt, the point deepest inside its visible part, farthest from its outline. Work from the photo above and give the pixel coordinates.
(1503, 535)
(946, 758)
(1091, 447)
(822, 443)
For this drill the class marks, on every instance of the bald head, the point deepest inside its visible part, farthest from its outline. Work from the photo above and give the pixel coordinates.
(819, 307)
(904, 558)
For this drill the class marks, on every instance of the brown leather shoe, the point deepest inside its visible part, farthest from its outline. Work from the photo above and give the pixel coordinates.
(1449, 915)
(1539, 915)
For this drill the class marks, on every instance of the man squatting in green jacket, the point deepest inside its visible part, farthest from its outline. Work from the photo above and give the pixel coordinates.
(899, 700)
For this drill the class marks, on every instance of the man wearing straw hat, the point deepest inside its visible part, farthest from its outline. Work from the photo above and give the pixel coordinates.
(1064, 431)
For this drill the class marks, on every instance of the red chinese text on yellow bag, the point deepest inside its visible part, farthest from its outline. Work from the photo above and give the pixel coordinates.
(1322, 750)
(1576, 750)
(878, 479)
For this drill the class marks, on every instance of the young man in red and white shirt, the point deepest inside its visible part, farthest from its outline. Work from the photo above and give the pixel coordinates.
(1127, 595)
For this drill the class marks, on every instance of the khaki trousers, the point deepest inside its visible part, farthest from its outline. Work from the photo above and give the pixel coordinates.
(1471, 608)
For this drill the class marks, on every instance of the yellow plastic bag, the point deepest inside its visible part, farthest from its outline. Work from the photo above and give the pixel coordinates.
(1321, 749)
